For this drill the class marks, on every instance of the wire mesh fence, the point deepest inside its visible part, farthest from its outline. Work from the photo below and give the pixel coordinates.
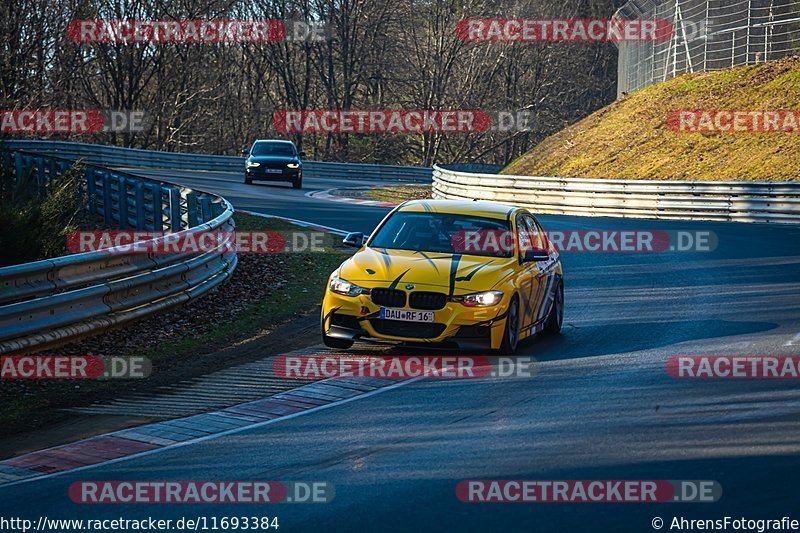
(707, 35)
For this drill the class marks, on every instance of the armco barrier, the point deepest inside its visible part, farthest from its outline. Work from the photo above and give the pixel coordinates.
(113, 156)
(701, 200)
(50, 302)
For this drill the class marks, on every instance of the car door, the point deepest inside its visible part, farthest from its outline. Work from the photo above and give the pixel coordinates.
(536, 273)
(526, 282)
(546, 271)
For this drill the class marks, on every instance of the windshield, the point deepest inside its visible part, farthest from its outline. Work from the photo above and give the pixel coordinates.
(277, 149)
(437, 232)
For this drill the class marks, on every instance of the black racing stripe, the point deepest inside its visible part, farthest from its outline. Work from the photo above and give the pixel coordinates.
(491, 321)
(469, 276)
(330, 313)
(396, 281)
(429, 260)
(453, 271)
(387, 259)
(369, 316)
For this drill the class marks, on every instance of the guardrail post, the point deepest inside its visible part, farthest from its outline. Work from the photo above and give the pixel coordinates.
(122, 202)
(41, 176)
(91, 190)
(18, 168)
(191, 209)
(175, 208)
(140, 207)
(205, 209)
(107, 214)
(158, 207)
(53, 169)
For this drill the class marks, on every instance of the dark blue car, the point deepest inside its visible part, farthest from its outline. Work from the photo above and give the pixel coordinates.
(269, 160)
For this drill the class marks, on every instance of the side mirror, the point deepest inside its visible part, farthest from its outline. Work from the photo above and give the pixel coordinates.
(354, 240)
(534, 255)
(301, 155)
(245, 152)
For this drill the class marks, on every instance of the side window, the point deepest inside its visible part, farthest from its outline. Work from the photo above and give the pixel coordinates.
(530, 234)
(522, 234)
(543, 241)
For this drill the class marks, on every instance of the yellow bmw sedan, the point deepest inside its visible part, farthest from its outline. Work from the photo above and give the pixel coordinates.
(471, 275)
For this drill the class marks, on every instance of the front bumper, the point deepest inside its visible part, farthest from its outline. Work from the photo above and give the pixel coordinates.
(358, 317)
(286, 174)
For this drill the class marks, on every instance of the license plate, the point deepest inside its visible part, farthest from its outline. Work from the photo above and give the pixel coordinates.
(273, 170)
(406, 316)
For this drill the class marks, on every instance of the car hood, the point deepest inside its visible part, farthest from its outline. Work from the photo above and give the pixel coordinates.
(273, 159)
(458, 274)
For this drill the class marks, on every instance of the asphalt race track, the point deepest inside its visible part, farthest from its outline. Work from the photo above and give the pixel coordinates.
(600, 405)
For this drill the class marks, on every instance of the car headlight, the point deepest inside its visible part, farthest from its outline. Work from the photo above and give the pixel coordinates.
(252, 164)
(293, 165)
(340, 286)
(480, 299)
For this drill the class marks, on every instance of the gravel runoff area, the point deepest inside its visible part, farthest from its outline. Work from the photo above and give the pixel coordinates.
(266, 293)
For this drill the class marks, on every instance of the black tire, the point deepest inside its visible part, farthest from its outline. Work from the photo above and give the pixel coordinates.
(511, 334)
(297, 183)
(247, 181)
(333, 342)
(556, 317)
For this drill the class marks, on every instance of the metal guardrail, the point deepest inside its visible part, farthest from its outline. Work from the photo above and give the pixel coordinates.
(701, 200)
(50, 302)
(113, 156)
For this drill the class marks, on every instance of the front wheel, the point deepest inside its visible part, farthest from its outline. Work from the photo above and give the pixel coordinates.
(511, 334)
(556, 317)
(247, 181)
(297, 183)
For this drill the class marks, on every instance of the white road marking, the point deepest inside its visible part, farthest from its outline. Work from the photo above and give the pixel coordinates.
(215, 435)
(795, 340)
(300, 223)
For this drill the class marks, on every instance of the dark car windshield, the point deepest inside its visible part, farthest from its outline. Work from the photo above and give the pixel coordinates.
(276, 149)
(440, 232)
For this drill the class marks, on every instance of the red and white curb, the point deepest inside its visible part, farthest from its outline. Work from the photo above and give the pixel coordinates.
(327, 195)
(150, 438)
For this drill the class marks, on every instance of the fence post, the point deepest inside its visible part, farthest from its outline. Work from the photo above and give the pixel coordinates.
(747, 39)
